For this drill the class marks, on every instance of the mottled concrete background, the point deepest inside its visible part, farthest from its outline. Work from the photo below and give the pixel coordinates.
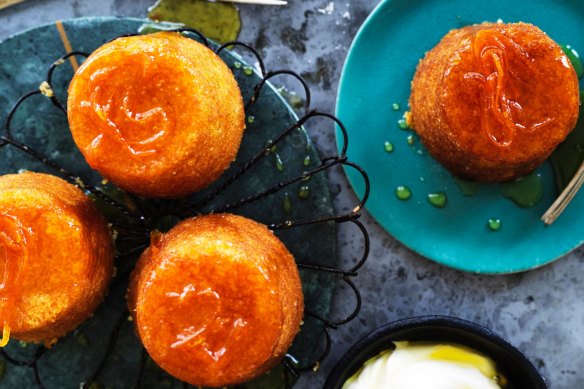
(541, 311)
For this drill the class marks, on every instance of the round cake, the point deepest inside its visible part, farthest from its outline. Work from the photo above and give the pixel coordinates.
(492, 101)
(217, 300)
(56, 257)
(159, 115)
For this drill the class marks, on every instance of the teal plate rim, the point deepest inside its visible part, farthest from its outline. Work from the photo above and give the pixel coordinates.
(379, 67)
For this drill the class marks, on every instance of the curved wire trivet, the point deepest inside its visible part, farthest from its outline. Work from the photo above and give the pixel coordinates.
(142, 219)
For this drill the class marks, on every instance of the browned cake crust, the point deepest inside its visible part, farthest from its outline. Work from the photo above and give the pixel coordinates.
(217, 300)
(56, 256)
(160, 115)
(492, 101)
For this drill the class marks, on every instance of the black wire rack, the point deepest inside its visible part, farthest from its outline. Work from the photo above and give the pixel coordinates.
(140, 219)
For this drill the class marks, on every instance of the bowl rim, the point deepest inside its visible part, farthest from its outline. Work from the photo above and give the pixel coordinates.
(357, 354)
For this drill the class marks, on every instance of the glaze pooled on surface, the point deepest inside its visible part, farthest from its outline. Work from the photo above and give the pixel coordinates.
(56, 256)
(217, 300)
(492, 101)
(159, 115)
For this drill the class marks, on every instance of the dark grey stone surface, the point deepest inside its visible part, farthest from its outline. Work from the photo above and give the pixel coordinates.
(540, 311)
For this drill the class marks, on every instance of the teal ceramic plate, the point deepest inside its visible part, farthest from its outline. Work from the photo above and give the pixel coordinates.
(24, 60)
(377, 73)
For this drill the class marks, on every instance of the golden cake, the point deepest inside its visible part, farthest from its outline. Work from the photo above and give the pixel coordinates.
(56, 257)
(217, 300)
(159, 115)
(492, 101)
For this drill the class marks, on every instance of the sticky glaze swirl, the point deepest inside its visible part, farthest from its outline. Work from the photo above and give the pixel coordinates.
(159, 115)
(131, 115)
(491, 101)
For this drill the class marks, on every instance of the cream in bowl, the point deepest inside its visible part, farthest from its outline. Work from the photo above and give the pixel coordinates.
(434, 352)
(421, 365)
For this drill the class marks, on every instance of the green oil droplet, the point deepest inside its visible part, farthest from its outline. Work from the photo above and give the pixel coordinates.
(526, 191)
(94, 385)
(250, 119)
(468, 188)
(410, 139)
(306, 160)
(574, 58)
(307, 178)
(286, 203)
(437, 199)
(494, 224)
(293, 99)
(395, 106)
(279, 163)
(296, 101)
(81, 339)
(23, 344)
(388, 146)
(402, 124)
(216, 20)
(272, 148)
(303, 192)
(420, 152)
(247, 70)
(403, 192)
(422, 179)
(237, 65)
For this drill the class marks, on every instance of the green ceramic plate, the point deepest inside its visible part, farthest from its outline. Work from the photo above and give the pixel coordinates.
(24, 60)
(378, 71)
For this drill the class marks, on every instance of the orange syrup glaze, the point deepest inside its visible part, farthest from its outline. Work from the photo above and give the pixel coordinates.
(492, 101)
(160, 115)
(217, 300)
(56, 256)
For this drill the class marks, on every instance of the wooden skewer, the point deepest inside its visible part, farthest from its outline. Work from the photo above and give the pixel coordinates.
(556, 209)
(8, 3)
(260, 2)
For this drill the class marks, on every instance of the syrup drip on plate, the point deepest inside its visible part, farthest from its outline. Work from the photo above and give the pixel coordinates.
(216, 20)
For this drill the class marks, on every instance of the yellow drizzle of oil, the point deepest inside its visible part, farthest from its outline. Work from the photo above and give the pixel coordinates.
(460, 355)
